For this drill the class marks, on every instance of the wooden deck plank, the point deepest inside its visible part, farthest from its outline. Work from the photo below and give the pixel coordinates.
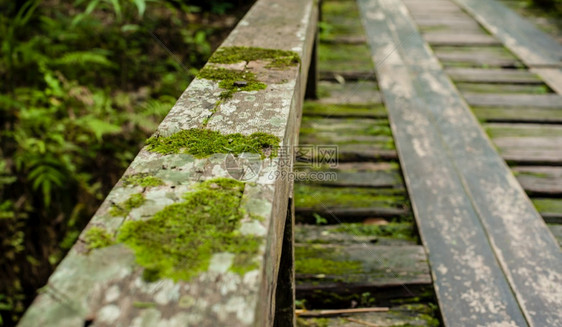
(533, 46)
(405, 315)
(387, 234)
(519, 115)
(476, 56)
(514, 100)
(105, 286)
(530, 150)
(356, 93)
(496, 88)
(479, 75)
(457, 39)
(370, 264)
(448, 225)
(318, 109)
(493, 217)
(347, 271)
(552, 77)
(540, 181)
(359, 174)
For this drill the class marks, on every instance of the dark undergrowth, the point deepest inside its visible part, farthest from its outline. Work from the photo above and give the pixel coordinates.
(82, 85)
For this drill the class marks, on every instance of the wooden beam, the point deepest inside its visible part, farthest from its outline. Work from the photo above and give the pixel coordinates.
(492, 257)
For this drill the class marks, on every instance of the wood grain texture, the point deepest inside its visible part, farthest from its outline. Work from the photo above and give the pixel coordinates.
(479, 75)
(540, 181)
(476, 56)
(456, 39)
(514, 100)
(493, 259)
(533, 46)
(106, 286)
(385, 272)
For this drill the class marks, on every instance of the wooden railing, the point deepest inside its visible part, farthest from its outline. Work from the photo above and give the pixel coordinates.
(198, 231)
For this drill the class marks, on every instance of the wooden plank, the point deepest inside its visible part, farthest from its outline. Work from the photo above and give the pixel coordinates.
(476, 56)
(317, 109)
(550, 209)
(455, 39)
(344, 58)
(514, 100)
(556, 230)
(501, 88)
(523, 130)
(353, 39)
(360, 174)
(552, 77)
(533, 46)
(530, 150)
(420, 152)
(348, 271)
(339, 131)
(338, 76)
(349, 204)
(356, 93)
(358, 233)
(405, 315)
(454, 22)
(479, 75)
(519, 115)
(105, 286)
(540, 181)
(366, 264)
(471, 202)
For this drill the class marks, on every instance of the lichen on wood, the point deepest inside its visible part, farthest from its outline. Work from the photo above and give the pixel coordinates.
(122, 209)
(143, 180)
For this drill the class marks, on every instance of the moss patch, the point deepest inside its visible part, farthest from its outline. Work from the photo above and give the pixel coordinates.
(178, 241)
(344, 58)
(97, 237)
(548, 205)
(309, 196)
(397, 230)
(232, 80)
(122, 209)
(202, 143)
(143, 179)
(313, 260)
(278, 58)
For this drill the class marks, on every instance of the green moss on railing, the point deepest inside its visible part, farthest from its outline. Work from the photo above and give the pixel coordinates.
(202, 143)
(179, 241)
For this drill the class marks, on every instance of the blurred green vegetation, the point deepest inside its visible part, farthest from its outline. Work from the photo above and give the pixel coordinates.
(83, 83)
(552, 7)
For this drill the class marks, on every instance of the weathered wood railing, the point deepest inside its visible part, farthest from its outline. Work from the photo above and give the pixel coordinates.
(192, 235)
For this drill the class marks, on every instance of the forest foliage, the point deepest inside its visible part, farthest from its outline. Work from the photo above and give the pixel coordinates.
(83, 83)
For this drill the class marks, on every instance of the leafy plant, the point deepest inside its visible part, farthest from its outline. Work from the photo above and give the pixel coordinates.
(82, 84)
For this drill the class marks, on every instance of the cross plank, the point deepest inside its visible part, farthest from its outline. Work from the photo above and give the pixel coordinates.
(536, 48)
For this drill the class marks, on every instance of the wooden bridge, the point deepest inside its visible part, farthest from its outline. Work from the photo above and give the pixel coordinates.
(419, 185)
